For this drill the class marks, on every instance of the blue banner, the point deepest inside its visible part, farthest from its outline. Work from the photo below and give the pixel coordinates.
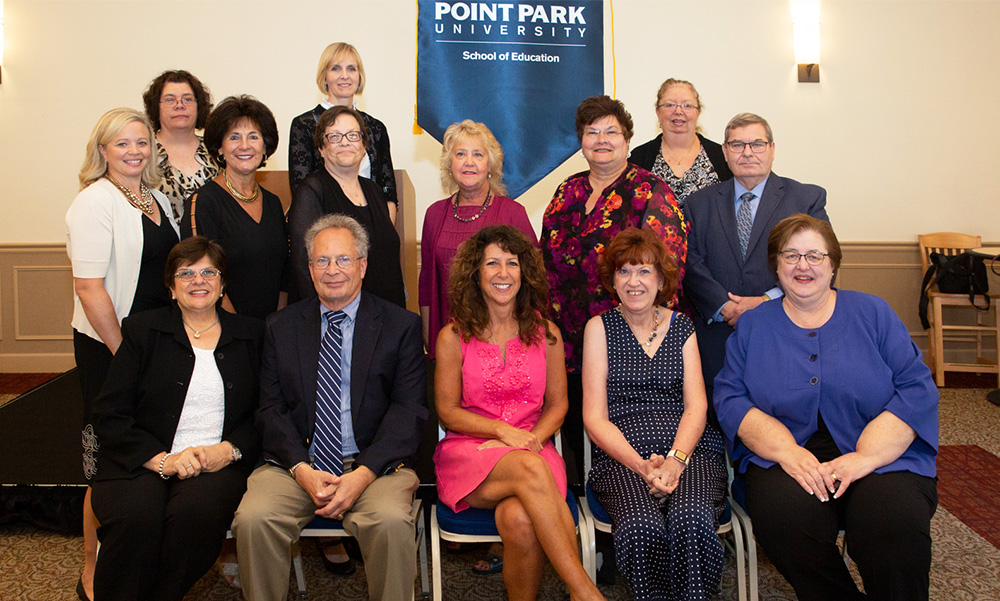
(520, 68)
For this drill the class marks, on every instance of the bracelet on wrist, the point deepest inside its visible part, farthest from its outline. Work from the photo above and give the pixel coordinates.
(162, 461)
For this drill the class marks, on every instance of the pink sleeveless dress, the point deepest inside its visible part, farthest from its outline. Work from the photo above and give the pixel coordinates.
(511, 392)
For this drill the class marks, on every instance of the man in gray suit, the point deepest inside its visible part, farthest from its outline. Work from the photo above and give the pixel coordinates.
(727, 272)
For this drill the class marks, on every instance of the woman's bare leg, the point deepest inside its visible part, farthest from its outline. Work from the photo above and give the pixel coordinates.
(89, 545)
(527, 476)
(524, 563)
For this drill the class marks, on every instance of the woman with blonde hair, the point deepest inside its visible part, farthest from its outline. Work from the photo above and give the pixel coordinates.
(683, 158)
(120, 230)
(340, 77)
(472, 175)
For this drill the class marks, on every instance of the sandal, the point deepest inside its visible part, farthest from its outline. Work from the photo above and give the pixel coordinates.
(491, 564)
(231, 572)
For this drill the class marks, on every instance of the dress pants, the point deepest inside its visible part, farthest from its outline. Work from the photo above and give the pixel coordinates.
(275, 509)
(886, 521)
(158, 537)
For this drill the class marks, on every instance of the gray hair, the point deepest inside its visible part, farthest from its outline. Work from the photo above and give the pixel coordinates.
(744, 119)
(334, 221)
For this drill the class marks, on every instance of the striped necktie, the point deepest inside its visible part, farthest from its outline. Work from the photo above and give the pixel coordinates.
(744, 221)
(328, 438)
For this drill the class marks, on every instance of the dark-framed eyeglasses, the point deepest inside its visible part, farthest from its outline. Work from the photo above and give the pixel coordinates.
(757, 146)
(343, 262)
(184, 100)
(186, 275)
(336, 137)
(813, 257)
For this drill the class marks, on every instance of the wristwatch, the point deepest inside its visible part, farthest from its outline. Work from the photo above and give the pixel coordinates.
(680, 456)
(237, 455)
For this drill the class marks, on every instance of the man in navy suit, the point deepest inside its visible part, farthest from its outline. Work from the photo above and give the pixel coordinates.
(347, 362)
(727, 272)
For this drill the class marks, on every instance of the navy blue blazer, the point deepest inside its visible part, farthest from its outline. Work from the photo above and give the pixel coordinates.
(715, 265)
(388, 384)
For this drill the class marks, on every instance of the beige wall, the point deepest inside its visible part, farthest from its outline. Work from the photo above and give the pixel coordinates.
(900, 130)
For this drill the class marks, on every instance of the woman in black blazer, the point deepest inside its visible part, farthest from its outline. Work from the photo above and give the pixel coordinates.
(683, 158)
(175, 420)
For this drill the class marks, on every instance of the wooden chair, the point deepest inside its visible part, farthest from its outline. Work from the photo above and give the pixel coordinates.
(950, 243)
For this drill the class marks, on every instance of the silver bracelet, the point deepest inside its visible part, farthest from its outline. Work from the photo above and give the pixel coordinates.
(160, 470)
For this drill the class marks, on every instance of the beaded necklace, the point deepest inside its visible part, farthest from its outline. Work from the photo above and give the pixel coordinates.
(486, 205)
(144, 204)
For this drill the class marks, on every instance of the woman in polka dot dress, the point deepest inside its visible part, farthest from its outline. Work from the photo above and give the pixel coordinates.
(658, 469)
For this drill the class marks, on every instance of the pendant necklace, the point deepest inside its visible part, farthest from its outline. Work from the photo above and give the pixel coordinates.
(656, 324)
(198, 333)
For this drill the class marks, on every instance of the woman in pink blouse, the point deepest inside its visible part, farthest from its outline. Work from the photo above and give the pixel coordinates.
(472, 174)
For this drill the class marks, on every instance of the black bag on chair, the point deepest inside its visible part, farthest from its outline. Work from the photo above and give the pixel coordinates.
(959, 274)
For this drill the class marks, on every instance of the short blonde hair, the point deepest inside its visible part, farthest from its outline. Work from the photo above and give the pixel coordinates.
(458, 132)
(108, 126)
(332, 54)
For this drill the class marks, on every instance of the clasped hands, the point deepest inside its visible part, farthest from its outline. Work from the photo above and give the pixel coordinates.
(825, 479)
(333, 495)
(194, 461)
(738, 305)
(661, 475)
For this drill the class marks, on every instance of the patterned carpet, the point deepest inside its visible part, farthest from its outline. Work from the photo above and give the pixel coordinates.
(37, 565)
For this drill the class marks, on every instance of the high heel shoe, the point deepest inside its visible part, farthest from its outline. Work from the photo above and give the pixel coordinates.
(80, 591)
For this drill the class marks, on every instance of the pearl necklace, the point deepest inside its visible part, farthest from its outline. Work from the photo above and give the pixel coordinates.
(198, 333)
(145, 204)
(486, 205)
(234, 192)
(656, 324)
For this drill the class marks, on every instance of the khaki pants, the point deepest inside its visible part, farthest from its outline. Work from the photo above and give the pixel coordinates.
(275, 509)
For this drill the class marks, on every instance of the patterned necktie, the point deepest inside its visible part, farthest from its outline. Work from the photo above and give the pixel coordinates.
(744, 221)
(328, 438)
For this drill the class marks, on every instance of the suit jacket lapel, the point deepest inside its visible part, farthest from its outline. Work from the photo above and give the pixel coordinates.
(774, 191)
(307, 350)
(726, 206)
(366, 331)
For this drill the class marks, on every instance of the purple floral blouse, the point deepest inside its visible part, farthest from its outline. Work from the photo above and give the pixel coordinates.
(572, 243)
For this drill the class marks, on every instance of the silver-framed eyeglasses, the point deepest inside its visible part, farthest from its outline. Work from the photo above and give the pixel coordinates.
(186, 275)
(813, 257)
(670, 106)
(343, 262)
(335, 137)
(184, 100)
(757, 146)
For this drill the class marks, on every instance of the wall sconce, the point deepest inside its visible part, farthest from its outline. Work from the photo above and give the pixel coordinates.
(805, 25)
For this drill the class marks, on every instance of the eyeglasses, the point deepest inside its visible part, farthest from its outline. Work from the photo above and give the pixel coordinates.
(336, 137)
(343, 262)
(186, 275)
(185, 100)
(596, 133)
(670, 106)
(812, 257)
(757, 146)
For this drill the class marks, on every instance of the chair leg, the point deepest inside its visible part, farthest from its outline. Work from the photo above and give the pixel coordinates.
(435, 555)
(300, 577)
(938, 342)
(422, 548)
(739, 544)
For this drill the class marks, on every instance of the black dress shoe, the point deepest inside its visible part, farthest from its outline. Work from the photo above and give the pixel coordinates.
(337, 568)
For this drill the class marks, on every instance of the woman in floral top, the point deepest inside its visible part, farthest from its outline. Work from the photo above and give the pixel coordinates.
(177, 104)
(587, 211)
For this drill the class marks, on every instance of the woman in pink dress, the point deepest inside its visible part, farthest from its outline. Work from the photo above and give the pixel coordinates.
(501, 394)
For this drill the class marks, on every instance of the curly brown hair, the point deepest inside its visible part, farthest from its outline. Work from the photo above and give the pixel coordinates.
(151, 97)
(598, 107)
(228, 115)
(638, 247)
(465, 296)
